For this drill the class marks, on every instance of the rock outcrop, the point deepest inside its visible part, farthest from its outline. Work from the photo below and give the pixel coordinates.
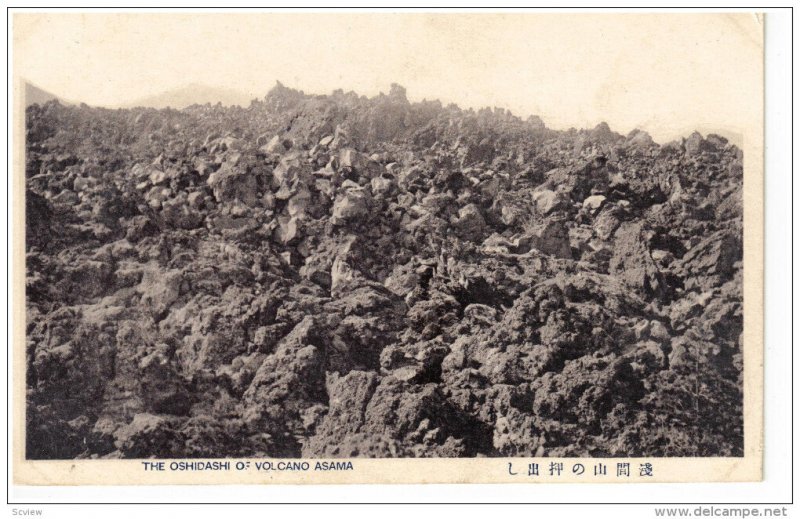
(337, 276)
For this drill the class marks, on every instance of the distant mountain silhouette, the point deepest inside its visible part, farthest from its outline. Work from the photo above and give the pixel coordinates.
(193, 94)
(35, 95)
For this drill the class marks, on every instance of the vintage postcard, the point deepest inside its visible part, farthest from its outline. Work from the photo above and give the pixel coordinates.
(387, 247)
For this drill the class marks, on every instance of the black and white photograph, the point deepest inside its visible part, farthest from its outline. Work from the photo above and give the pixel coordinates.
(336, 275)
(438, 236)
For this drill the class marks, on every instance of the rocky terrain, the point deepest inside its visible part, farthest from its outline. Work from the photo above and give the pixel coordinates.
(338, 276)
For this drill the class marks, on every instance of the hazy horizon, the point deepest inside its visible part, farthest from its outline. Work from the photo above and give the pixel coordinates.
(667, 74)
(158, 101)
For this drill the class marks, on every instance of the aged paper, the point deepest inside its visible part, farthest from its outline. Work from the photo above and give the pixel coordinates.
(374, 288)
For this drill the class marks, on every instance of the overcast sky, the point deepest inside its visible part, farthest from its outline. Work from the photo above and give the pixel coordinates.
(666, 74)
